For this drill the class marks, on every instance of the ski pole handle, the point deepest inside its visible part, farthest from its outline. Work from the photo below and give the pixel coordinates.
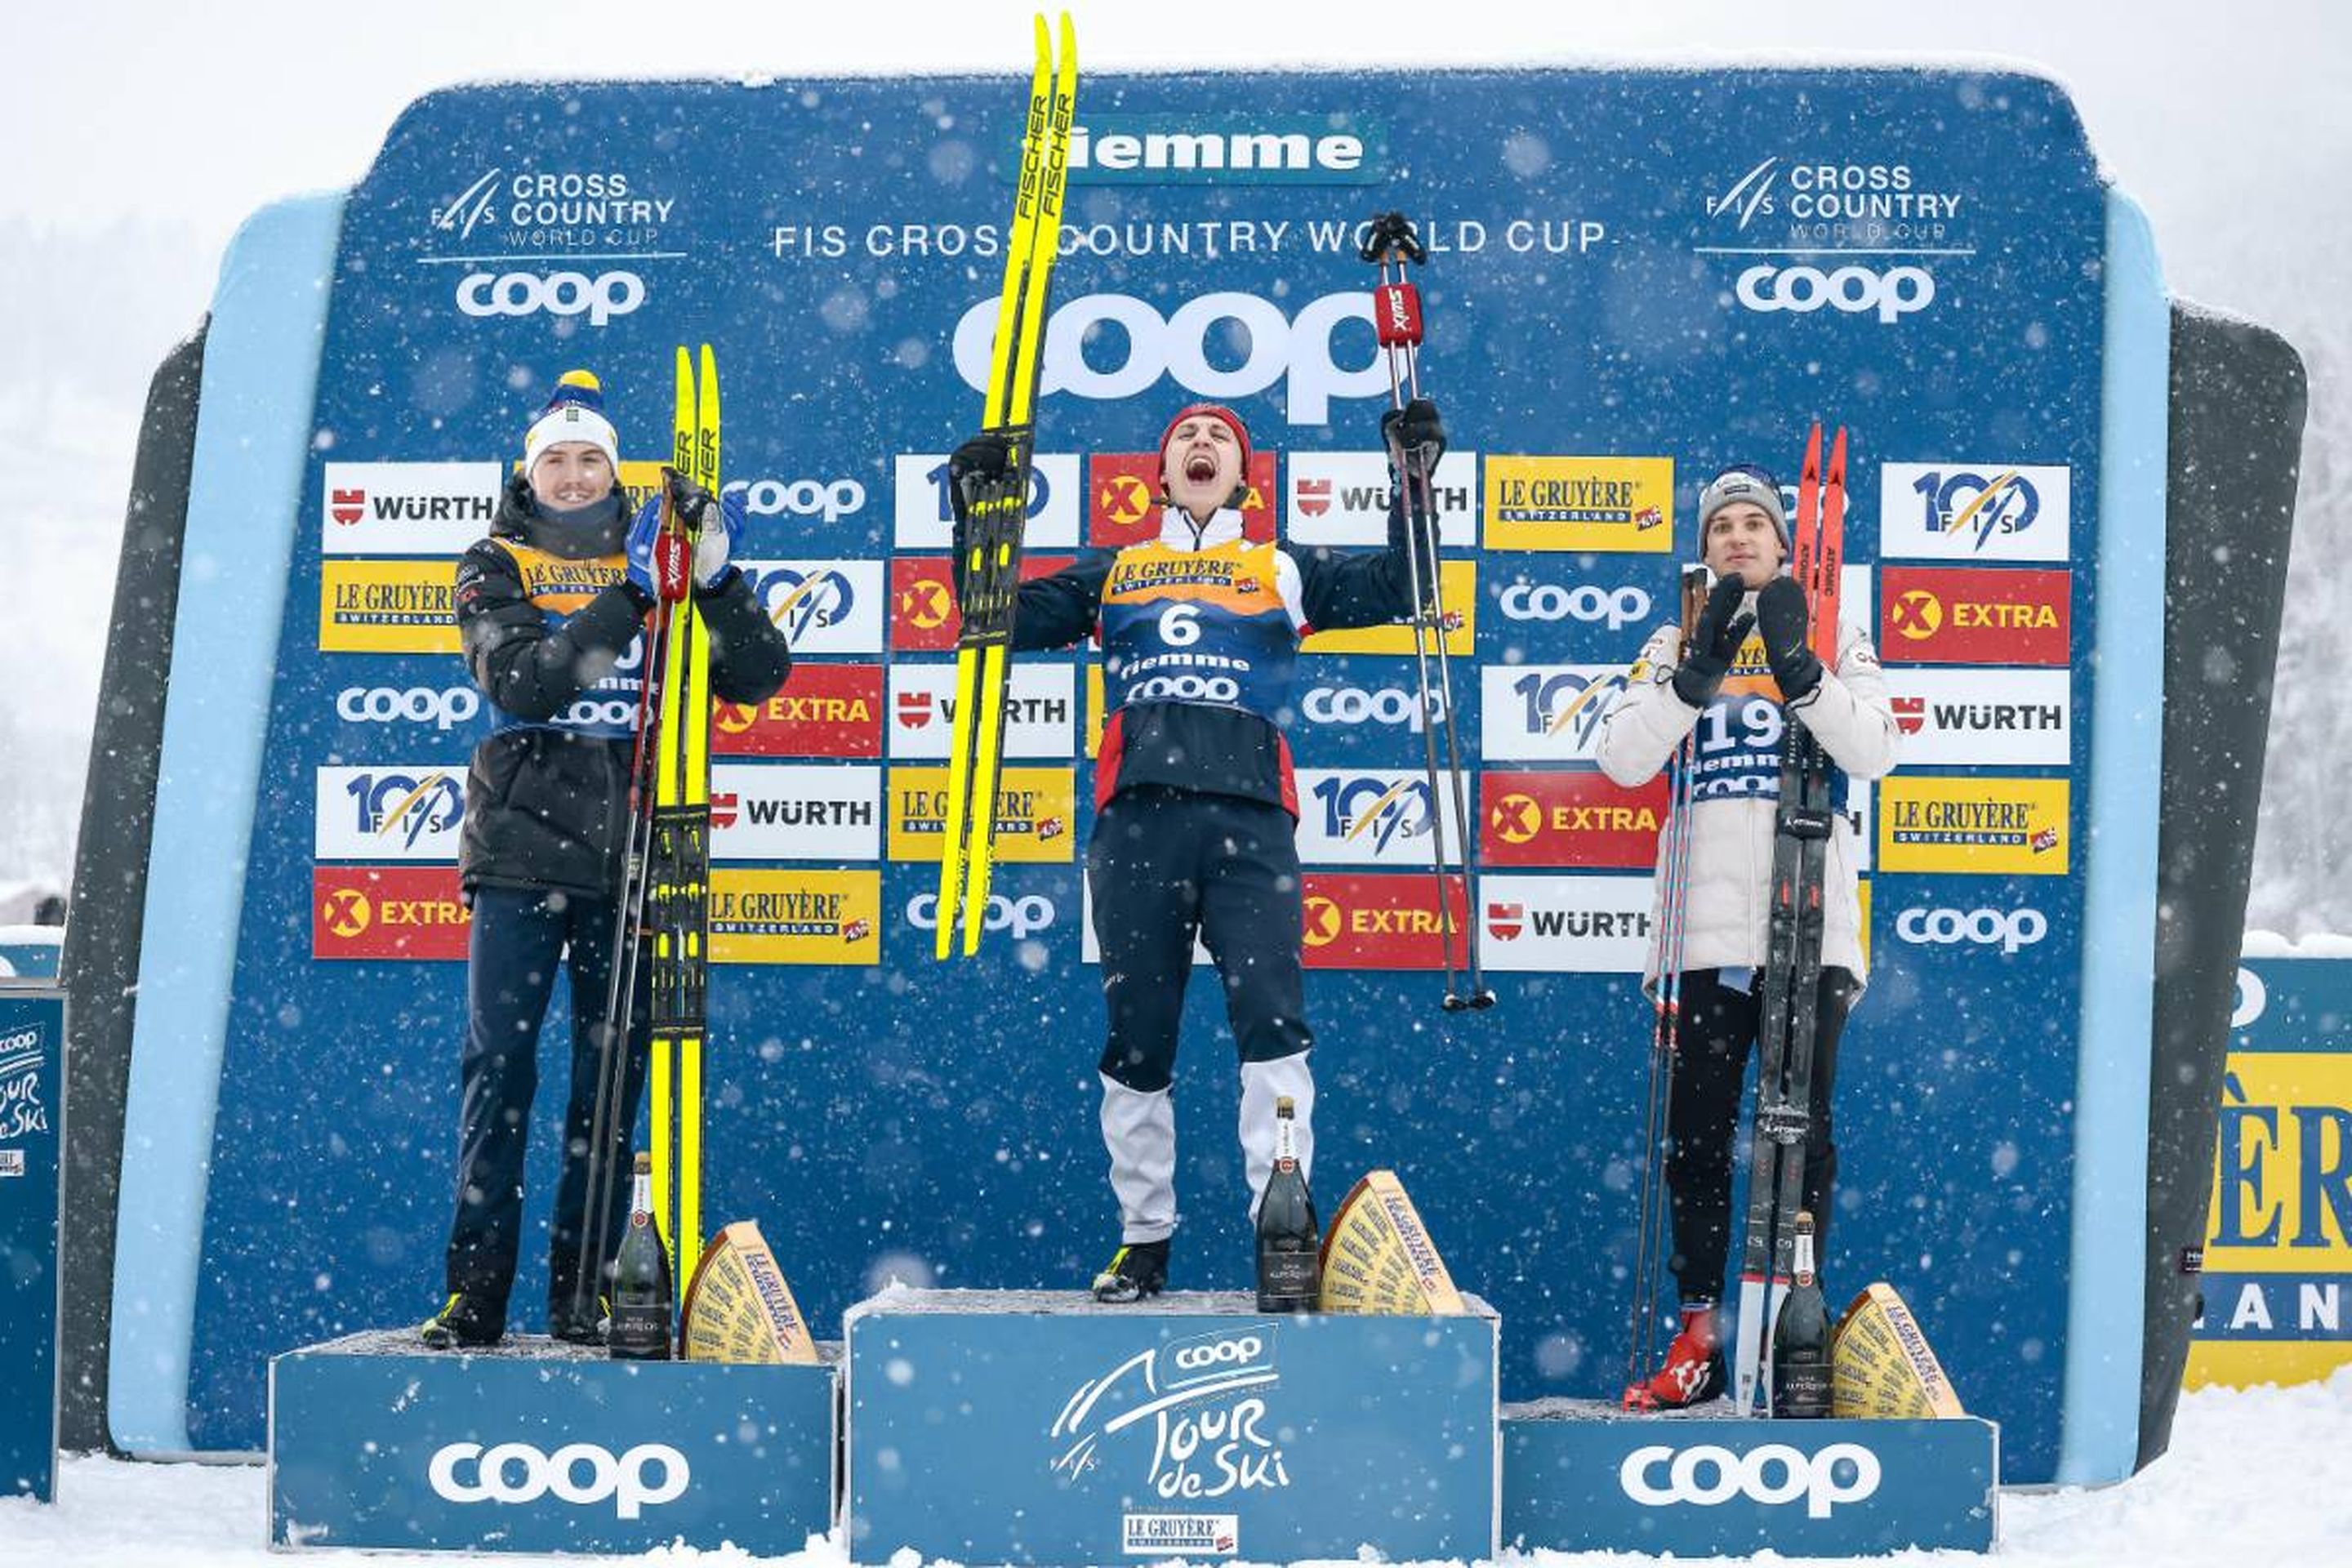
(1390, 238)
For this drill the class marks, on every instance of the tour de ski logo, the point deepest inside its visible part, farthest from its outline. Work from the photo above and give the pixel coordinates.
(21, 1112)
(1192, 1416)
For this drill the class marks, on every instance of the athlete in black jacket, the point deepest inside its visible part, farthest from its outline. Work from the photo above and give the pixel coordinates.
(550, 606)
(1196, 808)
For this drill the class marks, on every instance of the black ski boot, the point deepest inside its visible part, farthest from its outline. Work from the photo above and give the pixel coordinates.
(1138, 1269)
(567, 1325)
(464, 1322)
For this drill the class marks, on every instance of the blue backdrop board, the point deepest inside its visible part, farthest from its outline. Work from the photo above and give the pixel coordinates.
(375, 1443)
(32, 1136)
(1036, 1427)
(1622, 295)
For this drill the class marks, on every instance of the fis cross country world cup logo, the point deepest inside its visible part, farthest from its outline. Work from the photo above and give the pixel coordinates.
(1201, 1401)
(1367, 819)
(392, 813)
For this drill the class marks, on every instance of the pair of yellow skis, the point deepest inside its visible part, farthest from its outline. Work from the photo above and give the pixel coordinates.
(988, 569)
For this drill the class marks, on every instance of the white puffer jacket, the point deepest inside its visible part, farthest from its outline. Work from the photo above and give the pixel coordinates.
(1726, 909)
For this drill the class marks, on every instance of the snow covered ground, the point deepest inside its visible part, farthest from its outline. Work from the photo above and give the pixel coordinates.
(2258, 1477)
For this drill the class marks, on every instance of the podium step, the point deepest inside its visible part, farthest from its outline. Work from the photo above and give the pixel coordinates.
(537, 1446)
(1040, 1427)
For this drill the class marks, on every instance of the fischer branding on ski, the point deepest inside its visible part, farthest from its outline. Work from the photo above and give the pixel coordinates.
(989, 567)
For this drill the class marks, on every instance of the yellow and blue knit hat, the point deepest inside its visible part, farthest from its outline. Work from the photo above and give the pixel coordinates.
(575, 412)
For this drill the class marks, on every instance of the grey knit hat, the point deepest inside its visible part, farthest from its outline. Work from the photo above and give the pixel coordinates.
(1748, 483)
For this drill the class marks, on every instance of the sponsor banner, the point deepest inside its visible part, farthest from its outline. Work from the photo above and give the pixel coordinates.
(1576, 601)
(407, 509)
(1458, 591)
(33, 1045)
(923, 519)
(1031, 910)
(823, 711)
(1576, 819)
(1123, 498)
(1343, 498)
(1982, 717)
(1953, 615)
(388, 912)
(1991, 922)
(1371, 816)
(1580, 504)
(782, 916)
(1337, 148)
(827, 607)
(1976, 824)
(1096, 717)
(1973, 511)
(1035, 811)
(1369, 709)
(400, 811)
(1040, 710)
(387, 607)
(453, 706)
(766, 811)
(800, 500)
(923, 617)
(1545, 713)
(1383, 920)
(1165, 1536)
(1590, 925)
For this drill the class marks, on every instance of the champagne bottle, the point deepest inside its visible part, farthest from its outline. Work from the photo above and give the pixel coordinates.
(1800, 1340)
(1289, 1272)
(643, 1301)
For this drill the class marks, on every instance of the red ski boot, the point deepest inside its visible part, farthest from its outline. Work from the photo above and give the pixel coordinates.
(1694, 1369)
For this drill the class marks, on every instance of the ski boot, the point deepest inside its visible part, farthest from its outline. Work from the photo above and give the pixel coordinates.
(573, 1330)
(1138, 1269)
(1693, 1371)
(464, 1322)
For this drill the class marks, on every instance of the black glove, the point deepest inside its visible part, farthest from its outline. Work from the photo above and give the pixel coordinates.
(694, 505)
(981, 463)
(1714, 642)
(1781, 616)
(1413, 429)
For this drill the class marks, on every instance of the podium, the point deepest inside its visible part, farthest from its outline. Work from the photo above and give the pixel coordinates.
(1038, 1427)
(537, 1446)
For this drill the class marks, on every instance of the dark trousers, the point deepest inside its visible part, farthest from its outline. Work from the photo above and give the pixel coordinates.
(1719, 1030)
(1163, 865)
(518, 944)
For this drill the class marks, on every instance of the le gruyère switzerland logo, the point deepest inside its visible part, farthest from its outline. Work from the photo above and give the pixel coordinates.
(1203, 1400)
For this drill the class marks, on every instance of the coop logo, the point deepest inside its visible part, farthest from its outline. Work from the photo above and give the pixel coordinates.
(563, 295)
(1772, 1474)
(1348, 707)
(1023, 917)
(443, 706)
(1974, 512)
(1179, 1534)
(1218, 1439)
(1545, 713)
(827, 501)
(1365, 819)
(579, 1473)
(1891, 295)
(389, 813)
(1615, 608)
(1330, 149)
(1297, 350)
(2007, 930)
(21, 1111)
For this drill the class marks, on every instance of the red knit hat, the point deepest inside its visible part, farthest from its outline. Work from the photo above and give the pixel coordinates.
(1233, 422)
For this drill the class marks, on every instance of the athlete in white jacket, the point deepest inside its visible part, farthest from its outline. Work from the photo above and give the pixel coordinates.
(1748, 666)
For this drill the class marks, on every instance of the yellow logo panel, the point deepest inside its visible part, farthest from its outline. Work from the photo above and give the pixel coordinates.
(761, 916)
(1035, 813)
(1459, 582)
(387, 607)
(1580, 504)
(1095, 716)
(1990, 825)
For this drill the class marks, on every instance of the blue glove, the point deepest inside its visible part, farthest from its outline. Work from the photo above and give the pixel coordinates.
(640, 548)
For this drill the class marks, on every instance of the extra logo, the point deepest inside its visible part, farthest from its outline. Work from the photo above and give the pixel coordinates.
(1975, 512)
(1771, 1474)
(388, 814)
(824, 710)
(580, 1475)
(21, 1111)
(1545, 713)
(562, 295)
(406, 509)
(1296, 350)
(1579, 819)
(1023, 917)
(826, 607)
(1123, 503)
(443, 706)
(1932, 616)
(414, 912)
(1368, 818)
(2009, 929)
(1382, 921)
(1890, 295)
(923, 616)
(1218, 1439)
(1614, 607)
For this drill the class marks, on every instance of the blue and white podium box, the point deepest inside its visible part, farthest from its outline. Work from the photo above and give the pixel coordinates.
(32, 1166)
(1038, 1427)
(1580, 1476)
(537, 1446)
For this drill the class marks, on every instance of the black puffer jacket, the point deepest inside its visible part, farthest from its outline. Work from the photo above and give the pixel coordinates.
(546, 805)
